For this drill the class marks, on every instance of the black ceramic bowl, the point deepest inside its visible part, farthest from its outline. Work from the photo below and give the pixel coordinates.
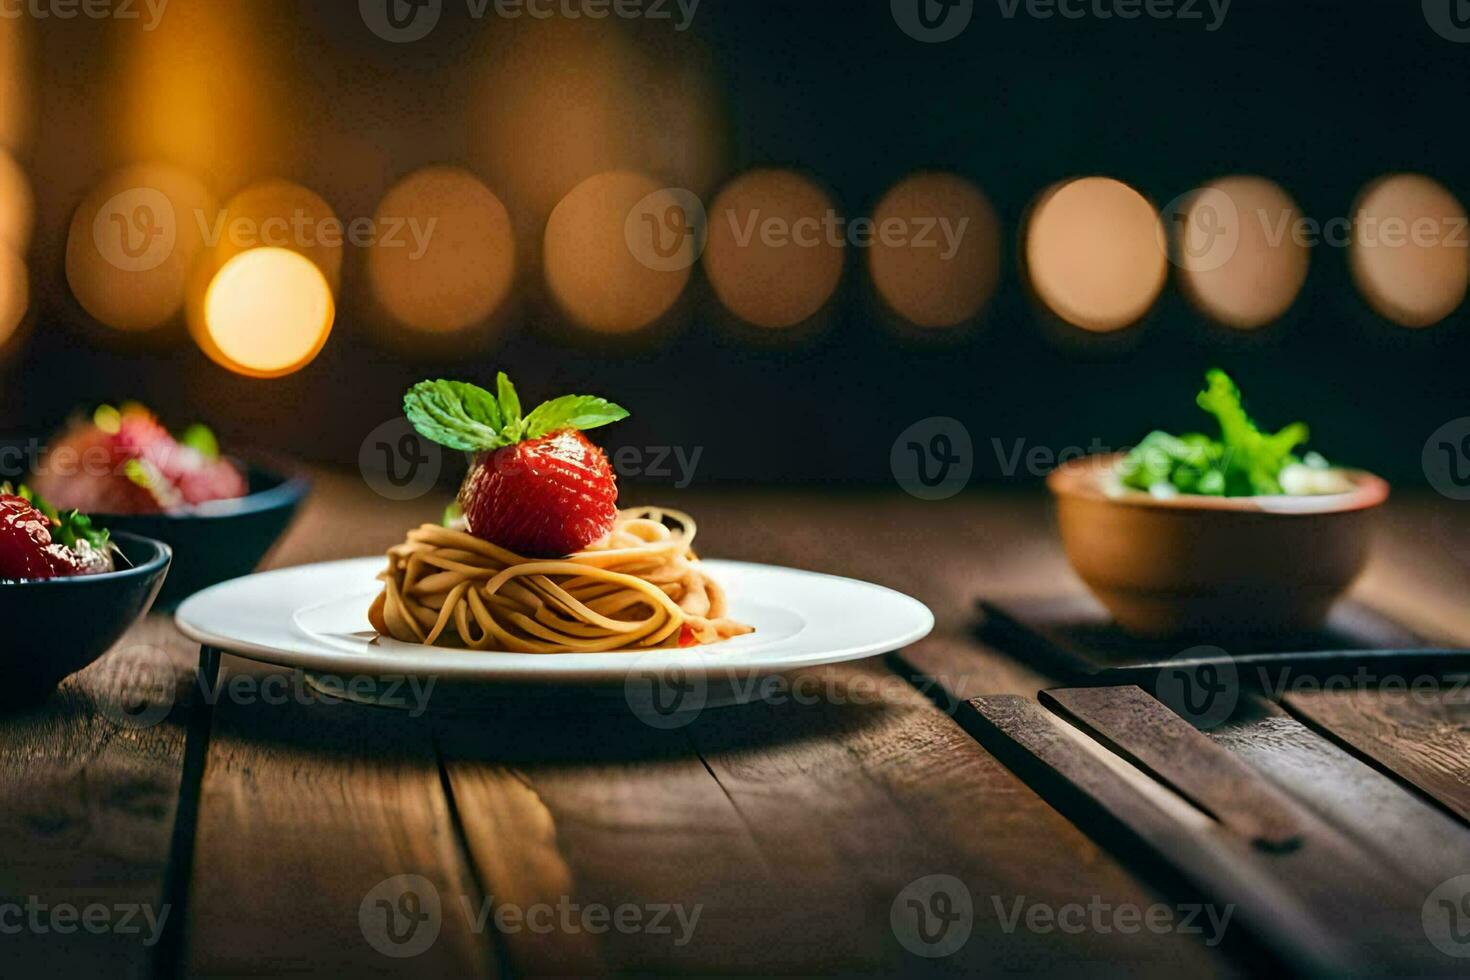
(212, 542)
(222, 539)
(58, 626)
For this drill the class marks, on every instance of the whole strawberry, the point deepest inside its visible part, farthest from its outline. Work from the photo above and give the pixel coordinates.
(537, 487)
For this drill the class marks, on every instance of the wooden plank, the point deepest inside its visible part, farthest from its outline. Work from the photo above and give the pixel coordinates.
(1322, 905)
(312, 810)
(1148, 734)
(89, 783)
(867, 788)
(1397, 824)
(827, 802)
(1418, 734)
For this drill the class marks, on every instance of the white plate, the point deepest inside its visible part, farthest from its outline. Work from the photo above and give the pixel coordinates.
(315, 617)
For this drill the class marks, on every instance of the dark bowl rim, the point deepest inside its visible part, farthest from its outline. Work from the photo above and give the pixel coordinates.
(290, 490)
(162, 556)
(1079, 478)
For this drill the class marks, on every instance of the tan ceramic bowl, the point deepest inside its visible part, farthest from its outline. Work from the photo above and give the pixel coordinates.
(1194, 564)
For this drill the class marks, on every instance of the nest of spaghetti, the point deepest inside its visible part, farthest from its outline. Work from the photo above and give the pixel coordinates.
(639, 587)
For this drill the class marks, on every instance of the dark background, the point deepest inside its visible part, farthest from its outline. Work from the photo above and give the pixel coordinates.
(1321, 97)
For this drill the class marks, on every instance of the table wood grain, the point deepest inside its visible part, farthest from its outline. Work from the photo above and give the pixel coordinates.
(794, 829)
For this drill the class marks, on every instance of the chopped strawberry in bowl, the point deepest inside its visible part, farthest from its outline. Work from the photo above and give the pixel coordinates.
(125, 468)
(75, 586)
(125, 462)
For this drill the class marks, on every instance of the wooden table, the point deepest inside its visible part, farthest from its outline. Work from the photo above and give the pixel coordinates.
(263, 824)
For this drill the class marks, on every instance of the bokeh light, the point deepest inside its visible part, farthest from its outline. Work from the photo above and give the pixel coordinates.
(445, 256)
(133, 243)
(17, 206)
(935, 253)
(1092, 253)
(198, 88)
(15, 294)
(563, 100)
(17, 86)
(279, 214)
(776, 246)
(268, 312)
(1244, 258)
(1410, 254)
(592, 271)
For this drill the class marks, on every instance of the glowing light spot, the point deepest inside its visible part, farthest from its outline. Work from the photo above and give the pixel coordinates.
(177, 93)
(775, 249)
(280, 214)
(1092, 253)
(1409, 251)
(1242, 259)
(17, 206)
(268, 312)
(563, 100)
(453, 260)
(17, 85)
(133, 243)
(935, 254)
(15, 294)
(592, 271)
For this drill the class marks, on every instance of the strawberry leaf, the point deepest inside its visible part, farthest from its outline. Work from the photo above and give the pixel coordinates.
(456, 415)
(572, 412)
(510, 406)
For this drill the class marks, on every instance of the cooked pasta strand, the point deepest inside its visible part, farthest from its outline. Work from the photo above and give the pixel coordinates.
(639, 587)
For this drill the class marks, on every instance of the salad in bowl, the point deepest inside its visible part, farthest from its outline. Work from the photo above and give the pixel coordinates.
(1217, 535)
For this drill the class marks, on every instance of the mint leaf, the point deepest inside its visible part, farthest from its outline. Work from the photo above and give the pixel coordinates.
(572, 412)
(75, 527)
(456, 415)
(510, 406)
(200, 439)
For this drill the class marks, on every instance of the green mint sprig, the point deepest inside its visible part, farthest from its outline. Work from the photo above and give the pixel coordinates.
(466, 417)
